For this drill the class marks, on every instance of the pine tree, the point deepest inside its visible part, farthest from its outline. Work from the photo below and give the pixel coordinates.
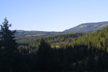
(9, 61)
(7, 38)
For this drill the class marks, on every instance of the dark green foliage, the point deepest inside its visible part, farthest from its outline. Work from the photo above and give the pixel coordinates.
(97, 39)
(60, 40)
(8, 43)
(44, 56)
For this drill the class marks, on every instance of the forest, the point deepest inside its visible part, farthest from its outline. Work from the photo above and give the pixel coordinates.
(55, 41)
(72, 52)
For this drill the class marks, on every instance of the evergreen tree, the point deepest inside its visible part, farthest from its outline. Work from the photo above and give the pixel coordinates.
(9, 61)
(7, 38)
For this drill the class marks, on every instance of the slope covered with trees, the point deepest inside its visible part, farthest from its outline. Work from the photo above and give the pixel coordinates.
(87, 53)
(98, 39)
(54, 41)
(83, 55)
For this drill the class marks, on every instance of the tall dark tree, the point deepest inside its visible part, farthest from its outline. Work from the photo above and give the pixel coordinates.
(7, 37)
(9, 61)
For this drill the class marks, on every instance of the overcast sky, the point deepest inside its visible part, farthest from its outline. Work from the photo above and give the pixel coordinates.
(52, 15)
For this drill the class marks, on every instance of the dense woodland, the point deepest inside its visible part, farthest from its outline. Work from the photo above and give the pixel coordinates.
(78, 52)
(32, 44)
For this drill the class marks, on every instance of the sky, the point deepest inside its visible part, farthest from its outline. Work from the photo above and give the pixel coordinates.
(52, 15)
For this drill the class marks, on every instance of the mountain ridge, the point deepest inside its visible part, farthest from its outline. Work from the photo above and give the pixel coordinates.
(87, 27)
(81, 28)
(96, 25)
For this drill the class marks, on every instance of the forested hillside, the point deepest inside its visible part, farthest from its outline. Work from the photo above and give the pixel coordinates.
(81, 53)
(98, 39)
(54, 41)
